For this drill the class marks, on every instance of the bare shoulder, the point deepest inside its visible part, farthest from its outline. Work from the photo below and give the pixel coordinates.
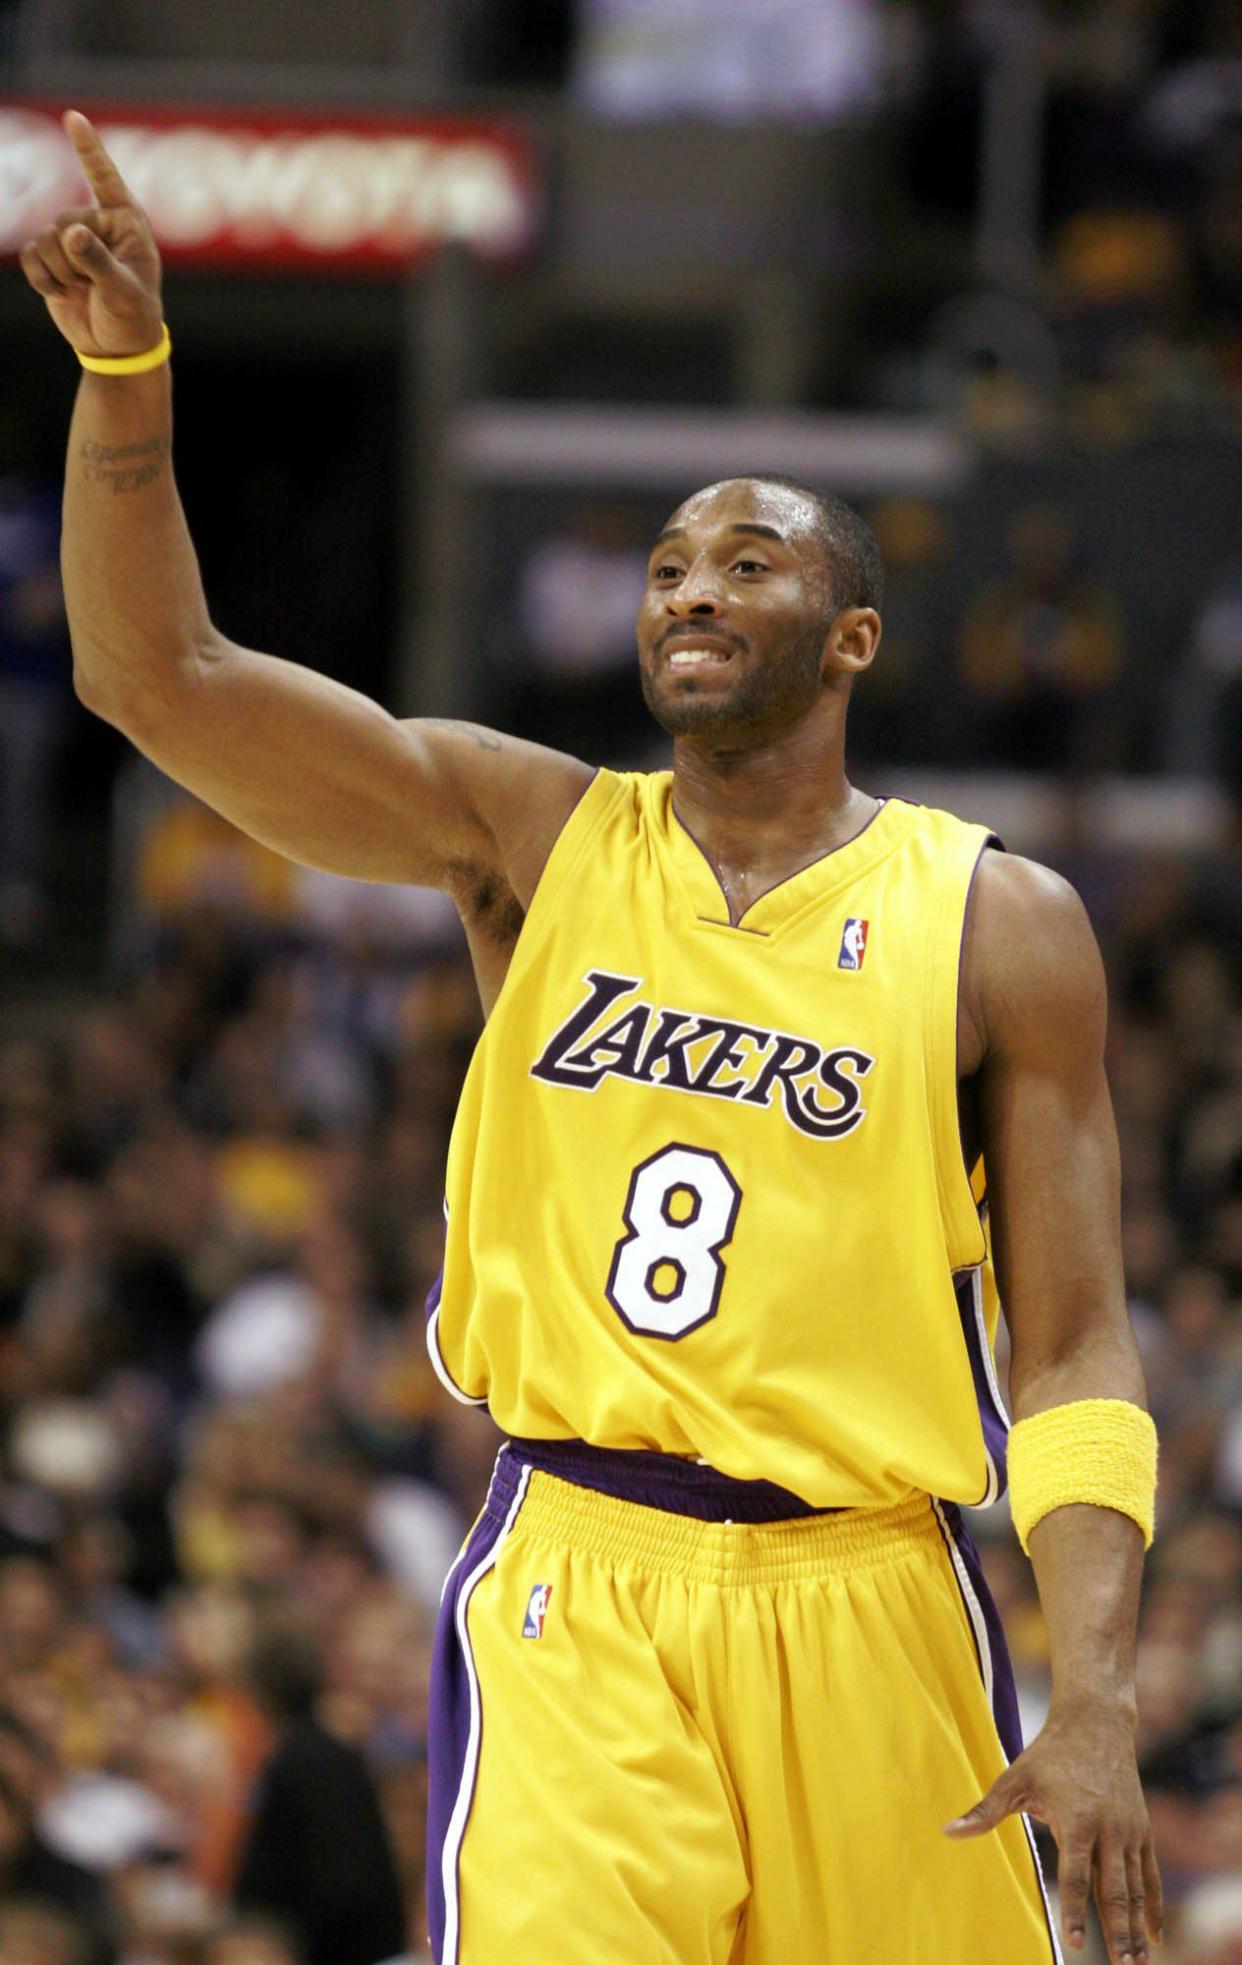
(1032, 977)
(521, 793)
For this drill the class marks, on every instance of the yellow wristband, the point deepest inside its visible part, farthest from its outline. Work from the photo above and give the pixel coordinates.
(129, 364)
(1101, 1451)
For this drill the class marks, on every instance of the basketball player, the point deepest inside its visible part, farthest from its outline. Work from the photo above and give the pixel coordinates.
(718, 1680)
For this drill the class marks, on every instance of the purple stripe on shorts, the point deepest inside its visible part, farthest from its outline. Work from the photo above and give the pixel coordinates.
(991, 1417)
(661, 1480)
(452, 1696)
(1004, 1692)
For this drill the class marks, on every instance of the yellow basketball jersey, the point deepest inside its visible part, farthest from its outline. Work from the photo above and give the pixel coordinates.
(706, 1193)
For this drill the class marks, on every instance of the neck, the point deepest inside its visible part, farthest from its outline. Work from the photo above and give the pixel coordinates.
(786, 791)
(762, 811)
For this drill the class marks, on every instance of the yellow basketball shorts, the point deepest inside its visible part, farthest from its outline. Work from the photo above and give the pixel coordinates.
(657, 1740)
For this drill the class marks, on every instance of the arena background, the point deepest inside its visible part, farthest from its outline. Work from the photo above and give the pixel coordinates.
(465, 294)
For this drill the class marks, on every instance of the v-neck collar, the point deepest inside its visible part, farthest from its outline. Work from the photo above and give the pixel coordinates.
(780, 905)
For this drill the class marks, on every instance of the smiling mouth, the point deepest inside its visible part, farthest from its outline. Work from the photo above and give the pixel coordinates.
(686, 661)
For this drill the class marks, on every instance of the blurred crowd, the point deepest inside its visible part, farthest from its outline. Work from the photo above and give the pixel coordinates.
(1171, 929)
(220, 1213)
(230, 1486)
(1125, 307)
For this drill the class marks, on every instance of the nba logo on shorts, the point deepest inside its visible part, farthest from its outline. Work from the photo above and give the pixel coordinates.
(853, 944)
(537, 1610)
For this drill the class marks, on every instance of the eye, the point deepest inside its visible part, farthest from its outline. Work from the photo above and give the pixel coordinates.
(659, 572)
(750, 566)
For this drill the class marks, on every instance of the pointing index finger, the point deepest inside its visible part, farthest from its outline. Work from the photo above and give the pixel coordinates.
(101, 173)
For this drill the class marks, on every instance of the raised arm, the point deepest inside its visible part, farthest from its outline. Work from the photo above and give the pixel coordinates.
(1033, 1024)
(308, 766)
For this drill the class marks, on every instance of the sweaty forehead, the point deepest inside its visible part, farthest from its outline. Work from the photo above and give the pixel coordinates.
(737, 500)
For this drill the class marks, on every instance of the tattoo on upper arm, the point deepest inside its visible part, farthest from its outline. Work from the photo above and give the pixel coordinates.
(485, 739)
(128, 466)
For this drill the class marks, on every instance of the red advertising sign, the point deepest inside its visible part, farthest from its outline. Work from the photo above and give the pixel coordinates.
(280, 188)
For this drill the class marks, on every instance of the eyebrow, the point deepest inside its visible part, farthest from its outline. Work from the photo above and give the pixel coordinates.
(743, 525)
(764, 531)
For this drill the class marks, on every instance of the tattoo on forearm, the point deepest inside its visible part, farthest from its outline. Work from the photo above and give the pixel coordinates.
(127, 466)
(485, 739)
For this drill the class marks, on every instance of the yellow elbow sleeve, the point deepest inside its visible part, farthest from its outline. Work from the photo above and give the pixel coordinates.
(1101, 1451)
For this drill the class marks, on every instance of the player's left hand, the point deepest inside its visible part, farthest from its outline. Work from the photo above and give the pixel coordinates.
(1080, 1777)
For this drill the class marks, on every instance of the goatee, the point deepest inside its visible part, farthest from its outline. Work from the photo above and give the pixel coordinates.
(778, 691)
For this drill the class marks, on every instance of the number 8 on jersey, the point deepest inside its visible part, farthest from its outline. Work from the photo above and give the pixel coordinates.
(667, 1270)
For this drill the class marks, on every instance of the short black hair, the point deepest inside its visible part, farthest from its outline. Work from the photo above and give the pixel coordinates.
(852, 549)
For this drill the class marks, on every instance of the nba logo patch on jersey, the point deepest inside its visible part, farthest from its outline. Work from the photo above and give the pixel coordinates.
(853, 944)
(536, 1610)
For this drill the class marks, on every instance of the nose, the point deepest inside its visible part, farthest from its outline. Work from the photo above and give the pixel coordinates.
(696, 592)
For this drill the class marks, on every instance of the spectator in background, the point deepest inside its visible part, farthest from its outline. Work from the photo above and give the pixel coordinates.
(1120, 276)
(35, 1877)
(1216, 236)
(1211, 1925)
(1203, 725)
(578, 594)
(39, 1934)
(1195, 99)
(317, 1857)
(1190, 128)
(34, 687)
(190, 854)
(1041, 650)
(251, 1941)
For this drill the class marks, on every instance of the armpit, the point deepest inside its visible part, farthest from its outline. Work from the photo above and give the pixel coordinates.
(486, 902)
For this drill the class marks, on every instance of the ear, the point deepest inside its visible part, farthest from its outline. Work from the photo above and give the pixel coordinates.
(853, 640)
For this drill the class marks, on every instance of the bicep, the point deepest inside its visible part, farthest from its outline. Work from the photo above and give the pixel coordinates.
(327, 777)
(1048, 1135)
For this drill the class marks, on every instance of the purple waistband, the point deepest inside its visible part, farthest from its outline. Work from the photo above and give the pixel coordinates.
(653, 1480)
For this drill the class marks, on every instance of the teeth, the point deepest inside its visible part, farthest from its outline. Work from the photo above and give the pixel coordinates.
(686, 658)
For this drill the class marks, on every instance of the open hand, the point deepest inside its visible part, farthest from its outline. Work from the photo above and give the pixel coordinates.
(1079, 1776)
(98, 266)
